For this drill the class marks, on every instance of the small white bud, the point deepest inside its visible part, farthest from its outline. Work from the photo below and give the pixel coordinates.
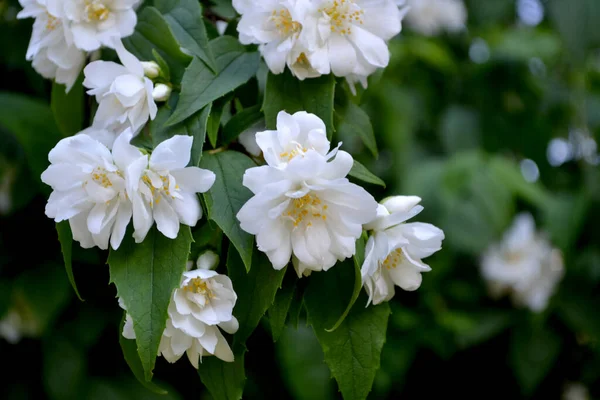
(208, 260)
(161, 92)
(151, 69)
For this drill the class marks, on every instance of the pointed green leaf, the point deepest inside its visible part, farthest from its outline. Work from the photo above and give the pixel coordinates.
(351, 120)
(201, 86)
(214, 120)
(255, 290)
(284, 92)
(67, 108)
(145, 275)
(361, 172)
(283, 299)
(224, 380)
(185, 19)
(133, 360)
(65, 237)
(227, 196)
(152, 32)
(353, 350)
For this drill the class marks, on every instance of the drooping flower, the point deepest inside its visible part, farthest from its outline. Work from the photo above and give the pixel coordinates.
(395, 249)
(96, 23)
(89, 190)
(51, 48)
(163, 189)
(123, 93)
(431, 17)
(203, 304)
(523, 265)
(303, 203)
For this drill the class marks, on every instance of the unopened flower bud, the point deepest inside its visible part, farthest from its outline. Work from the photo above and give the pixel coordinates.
(161, 92)
(208, 260)
(151, 69)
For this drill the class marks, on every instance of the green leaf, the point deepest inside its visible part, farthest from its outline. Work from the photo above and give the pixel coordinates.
(185, 19)
(227, 196)
(16, 113)
(255, 290)
(224, 380)
(201, 86)
(358, 259)
(194, 126)
(133, 360)
(533, 352)
(214, 120)
(353, 350)
(361, 172)
(284, 92)
(351, 120)
(240, 122)
(283, 299)
(153, 32)
(65, 237)
(63, 362)
(145, 275)
(68, 108)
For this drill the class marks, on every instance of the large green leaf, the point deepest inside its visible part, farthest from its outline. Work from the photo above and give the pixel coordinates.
(67, 108)
(65, 237)
(201, 86)
(224, 380)
(361, 172)
(351, 120)
(227, 196)
(145, 275)
(255, 290)
(153, 32)
(284, 92)
(353, 350)
(32, 123)
(194, 126)
(278, 312)
(185, 19)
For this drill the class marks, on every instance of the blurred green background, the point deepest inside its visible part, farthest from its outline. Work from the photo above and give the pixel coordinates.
(499, 118)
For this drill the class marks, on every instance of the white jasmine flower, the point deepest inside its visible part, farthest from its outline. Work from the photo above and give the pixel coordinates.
(163, 189)
(123, 92)
(355, 33)
(88, 185)
(303, 204)
(151, 69)
(51, 47)
(96, 23)
(208, 260)
(104, 136)
(431, 17)
(203, 304)
(395, 248)
(524, 264)
(248, 139)
(161, 92)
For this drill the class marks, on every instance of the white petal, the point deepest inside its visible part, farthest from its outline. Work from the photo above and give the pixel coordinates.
(194, 179)
(172, 154)
(166, 218)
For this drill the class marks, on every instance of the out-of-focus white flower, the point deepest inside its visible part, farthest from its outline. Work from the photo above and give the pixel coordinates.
(431, 17)
(524, 264)
(96, 23)
(395, 248)
(303, 204)
(248, 139)
(575, 391)
(16, 324)
(123, 93)
(151, 69)
(221, 27)
(88, 185)
(208, 260)
(104, 136)
(163, 189)
(51, 47)
(161, 92)
(203, 304)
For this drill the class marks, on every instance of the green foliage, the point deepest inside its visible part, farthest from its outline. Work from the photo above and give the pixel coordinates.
(278, 312)
(65, 237)
(67, 108)
(145, 275)
(224, 381)
(351, 120)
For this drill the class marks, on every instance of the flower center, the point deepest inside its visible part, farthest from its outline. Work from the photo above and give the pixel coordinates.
(99, 175)
(162, 188)
(97, 12)
(199, 286)
(393, 259)
(306, 209)
(284, 23)
(52, 22)
(303, 61)
(294, 152)
(342, 14)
